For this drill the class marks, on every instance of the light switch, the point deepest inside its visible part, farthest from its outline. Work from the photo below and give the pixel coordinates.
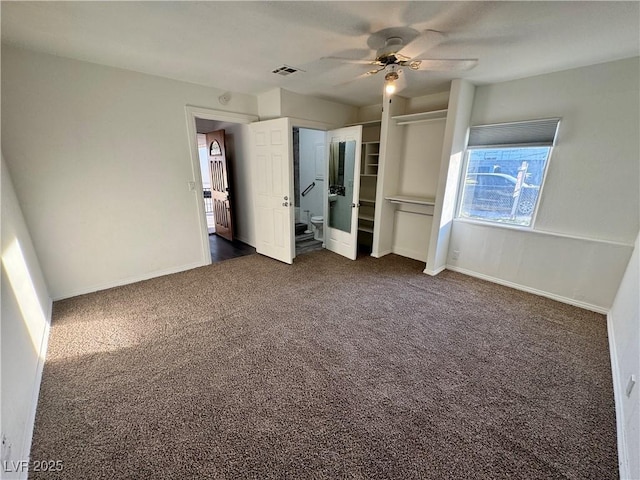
(192, 186)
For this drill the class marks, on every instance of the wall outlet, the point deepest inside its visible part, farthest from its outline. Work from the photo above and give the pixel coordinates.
(455, 255)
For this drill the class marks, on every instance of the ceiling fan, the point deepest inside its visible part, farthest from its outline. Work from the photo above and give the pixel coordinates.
(397, 52)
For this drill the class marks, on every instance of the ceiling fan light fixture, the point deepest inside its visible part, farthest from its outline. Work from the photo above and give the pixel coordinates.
(390, 82)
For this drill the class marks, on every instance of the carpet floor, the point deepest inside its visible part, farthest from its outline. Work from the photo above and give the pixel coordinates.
(327, 368)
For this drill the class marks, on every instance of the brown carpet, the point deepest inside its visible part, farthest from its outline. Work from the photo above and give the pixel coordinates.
(325, 369)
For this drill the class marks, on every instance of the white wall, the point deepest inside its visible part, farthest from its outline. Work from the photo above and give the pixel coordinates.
(299, 106)
(279, 102)
(238, 141)
(454, 142)
(312, 166)
(591, 190)
(26, 316)
(100, 158)
(624, 339)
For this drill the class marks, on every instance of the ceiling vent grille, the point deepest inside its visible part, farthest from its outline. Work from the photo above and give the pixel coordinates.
(285, 70)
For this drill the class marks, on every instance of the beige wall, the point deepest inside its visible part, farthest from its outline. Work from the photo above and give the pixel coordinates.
(26, 315)
(589, 212)
(104, 188)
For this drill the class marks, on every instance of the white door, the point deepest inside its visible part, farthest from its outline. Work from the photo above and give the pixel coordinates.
(343, 191)
(273, 188)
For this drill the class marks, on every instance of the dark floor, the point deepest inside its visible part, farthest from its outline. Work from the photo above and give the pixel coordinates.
(222, 249)
(305, 242)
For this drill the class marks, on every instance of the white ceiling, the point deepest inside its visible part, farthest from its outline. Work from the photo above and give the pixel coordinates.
(235, 45)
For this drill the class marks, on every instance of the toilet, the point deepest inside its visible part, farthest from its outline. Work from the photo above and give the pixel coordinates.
(318, 223)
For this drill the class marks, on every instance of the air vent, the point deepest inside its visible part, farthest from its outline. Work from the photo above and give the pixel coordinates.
(285, 70)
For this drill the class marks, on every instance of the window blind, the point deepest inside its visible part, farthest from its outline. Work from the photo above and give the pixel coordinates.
(530, 133)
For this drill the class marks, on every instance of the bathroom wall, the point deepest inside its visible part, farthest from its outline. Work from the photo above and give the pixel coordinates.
(312, 169)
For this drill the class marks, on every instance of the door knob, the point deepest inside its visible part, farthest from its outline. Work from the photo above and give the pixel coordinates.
(286, 198)
(285, 204)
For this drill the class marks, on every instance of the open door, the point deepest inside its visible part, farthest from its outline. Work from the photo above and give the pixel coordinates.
(343, 174)
(219, 184)
(273, 186)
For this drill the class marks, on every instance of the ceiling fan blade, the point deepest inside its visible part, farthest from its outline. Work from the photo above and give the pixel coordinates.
(443, 64)
(351, 60)
(424, 42)
(363, 75)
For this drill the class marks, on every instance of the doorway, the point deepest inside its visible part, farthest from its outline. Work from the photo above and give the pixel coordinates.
(309, 166)
(223, 191)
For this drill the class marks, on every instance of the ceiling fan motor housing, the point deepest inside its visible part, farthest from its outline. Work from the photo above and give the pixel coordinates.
(388, 55)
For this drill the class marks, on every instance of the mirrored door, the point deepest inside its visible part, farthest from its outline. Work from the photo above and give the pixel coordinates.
(343, 173)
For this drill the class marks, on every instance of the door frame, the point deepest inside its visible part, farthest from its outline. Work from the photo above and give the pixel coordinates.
(325, 128)
(192, 112)
(337, 246)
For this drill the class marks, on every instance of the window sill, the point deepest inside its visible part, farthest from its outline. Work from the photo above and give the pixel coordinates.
(494, 224)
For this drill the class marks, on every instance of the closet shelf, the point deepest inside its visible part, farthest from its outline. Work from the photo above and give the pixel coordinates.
(367, 200)
(366, 218)
(420, 117)
(366, 229)
(411, 200)
(366, 123)
(368, 175)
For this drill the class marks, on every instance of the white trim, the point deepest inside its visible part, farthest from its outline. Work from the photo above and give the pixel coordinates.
(623, 461)
(134, 279)
(193, 112)
(535, 291)
(435, 272)
(220, 115)
(541, 232)
(584, 239)
(311, 124)
(381, 254)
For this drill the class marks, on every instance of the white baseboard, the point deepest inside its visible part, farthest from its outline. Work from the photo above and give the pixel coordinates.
(380, 254)
(435, 272)
(623, 460)
(535, 291)
(127, 281)
(406, 252)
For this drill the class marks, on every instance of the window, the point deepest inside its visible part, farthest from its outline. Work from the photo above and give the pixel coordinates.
(504, 169)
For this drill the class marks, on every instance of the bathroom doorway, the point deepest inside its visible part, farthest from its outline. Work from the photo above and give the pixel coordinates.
(309, 165)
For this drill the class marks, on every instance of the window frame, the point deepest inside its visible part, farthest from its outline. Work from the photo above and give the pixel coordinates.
(493, 223)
